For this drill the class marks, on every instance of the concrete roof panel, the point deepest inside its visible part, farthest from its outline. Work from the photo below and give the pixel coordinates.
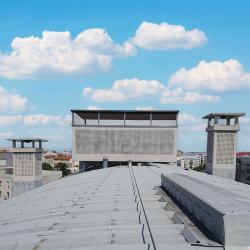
(100, 209)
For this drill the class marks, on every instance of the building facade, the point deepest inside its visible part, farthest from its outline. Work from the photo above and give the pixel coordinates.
(122, 136)
(53, 158)
(6, 185)
(243, 170)
(192, 160)
(6, 162)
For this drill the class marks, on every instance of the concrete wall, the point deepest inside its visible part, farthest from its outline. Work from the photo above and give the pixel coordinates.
(20, 187)
(140, 144)
(221, 151)
(27, 165)
(49, 176)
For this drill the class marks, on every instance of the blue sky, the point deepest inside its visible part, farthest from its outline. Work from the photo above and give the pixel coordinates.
(123, 55)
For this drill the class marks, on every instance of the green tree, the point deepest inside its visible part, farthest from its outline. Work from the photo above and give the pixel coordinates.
(63, 167)
(46, 166)
(200, 168)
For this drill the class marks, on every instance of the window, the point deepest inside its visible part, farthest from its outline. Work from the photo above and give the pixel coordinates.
(111, 119)
(164, 123)
(137, 119)
(164, 119)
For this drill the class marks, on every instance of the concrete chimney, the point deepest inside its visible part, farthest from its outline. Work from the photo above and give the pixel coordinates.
(222, 143)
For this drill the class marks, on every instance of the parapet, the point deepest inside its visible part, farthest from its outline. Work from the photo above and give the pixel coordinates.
(225, 214)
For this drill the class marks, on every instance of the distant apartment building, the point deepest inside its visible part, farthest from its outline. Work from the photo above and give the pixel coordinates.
(6, 172)
(191, 160)
(243, 168)
(243, 154)
(54, 158)
(6, 184)
(6, 161)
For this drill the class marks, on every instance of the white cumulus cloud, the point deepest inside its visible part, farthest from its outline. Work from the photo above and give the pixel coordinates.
(42, 119)
(215, 75)
(145, 108)
(245, 121)
(10, 119)
(164, 36)
(191, 123)
(186, 119)
(5, 135)
(123, 90)
(56, 52)
(35, 119)
(179, 96)
(93, 107)
(11, 102)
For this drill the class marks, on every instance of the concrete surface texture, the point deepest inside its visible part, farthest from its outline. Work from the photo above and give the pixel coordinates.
(111, 208)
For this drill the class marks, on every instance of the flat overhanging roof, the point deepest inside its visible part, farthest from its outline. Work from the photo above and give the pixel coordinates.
(127, 114)
(223, 115)
(123, 111)
(27, 140)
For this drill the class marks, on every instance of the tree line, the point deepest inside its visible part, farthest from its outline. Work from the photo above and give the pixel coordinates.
(60, 166)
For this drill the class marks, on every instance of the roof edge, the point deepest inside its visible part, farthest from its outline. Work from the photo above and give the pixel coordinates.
(224, 115)
(125, 111)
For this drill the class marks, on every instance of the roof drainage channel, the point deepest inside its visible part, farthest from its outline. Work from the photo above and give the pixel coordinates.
(135, 186)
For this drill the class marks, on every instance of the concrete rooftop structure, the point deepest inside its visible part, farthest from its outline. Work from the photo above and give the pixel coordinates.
(26, 169)
(112, 208)
(118, 136)
(222, 143)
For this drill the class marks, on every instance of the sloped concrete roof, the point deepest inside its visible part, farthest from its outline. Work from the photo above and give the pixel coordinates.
(114, 208)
